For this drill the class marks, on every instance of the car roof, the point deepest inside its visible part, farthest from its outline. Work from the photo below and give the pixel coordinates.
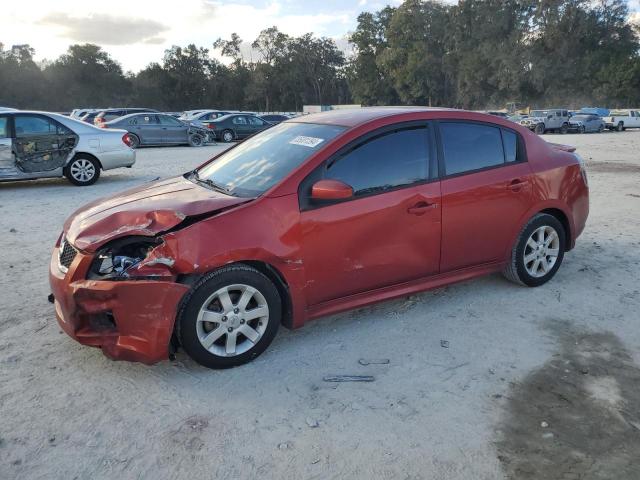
(358, 116)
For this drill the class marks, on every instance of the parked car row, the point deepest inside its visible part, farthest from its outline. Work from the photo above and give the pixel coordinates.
(586, 120)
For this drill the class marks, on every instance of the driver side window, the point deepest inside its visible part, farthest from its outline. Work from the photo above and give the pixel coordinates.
(389, 160)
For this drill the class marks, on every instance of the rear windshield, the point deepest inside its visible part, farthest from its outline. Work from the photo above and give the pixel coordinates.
(261, 161)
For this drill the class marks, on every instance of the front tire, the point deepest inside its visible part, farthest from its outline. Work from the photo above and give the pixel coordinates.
(539, 128)
(82, 171)
(230, 317)
(538, 251)
(620, 127)
(196, 140)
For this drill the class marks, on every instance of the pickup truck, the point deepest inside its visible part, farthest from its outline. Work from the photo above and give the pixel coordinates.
(623, 119)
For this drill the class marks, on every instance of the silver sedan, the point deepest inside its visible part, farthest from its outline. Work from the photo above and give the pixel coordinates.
(44, 145)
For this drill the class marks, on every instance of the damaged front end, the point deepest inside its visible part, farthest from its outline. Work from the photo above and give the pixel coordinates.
(116, 283)
(116, 261)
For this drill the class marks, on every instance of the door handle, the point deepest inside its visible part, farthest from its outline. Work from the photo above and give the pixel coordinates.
(421, 208)
(516, 185)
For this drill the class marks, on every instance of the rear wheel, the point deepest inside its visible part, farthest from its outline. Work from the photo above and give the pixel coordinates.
(538, 252)
(227, 136)
(601, 128)
(134, 140)
(230, 317)
(82, 171)
(564, 128)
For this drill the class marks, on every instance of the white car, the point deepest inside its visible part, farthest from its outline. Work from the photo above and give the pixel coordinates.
(621, 120)
(44, 145)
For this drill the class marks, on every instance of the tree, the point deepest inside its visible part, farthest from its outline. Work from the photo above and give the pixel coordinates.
(84, 75)
(369, 84)
(414, 57)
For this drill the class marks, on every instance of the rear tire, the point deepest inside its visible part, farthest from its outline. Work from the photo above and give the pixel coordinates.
(227, 136)
(134, 141)
(220, 341)
(538, 251)
(82, 171)
(564, 128)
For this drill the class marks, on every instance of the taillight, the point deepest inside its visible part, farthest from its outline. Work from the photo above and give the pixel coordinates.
(126, 139)
(211, 126)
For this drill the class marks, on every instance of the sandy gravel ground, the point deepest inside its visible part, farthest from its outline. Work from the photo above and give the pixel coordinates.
(535, 383)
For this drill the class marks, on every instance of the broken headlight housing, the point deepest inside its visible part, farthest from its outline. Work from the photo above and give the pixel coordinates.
(115, 260)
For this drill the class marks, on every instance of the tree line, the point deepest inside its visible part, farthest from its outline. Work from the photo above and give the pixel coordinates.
(475, 54)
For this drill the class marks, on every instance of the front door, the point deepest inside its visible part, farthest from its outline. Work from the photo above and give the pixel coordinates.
(41, 144)
(389, 231)
(173, 131)
(486, 191)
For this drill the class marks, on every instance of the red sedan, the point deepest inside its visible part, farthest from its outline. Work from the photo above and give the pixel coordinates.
(316, 215)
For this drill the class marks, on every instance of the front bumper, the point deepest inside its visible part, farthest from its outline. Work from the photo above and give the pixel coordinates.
(129, 320)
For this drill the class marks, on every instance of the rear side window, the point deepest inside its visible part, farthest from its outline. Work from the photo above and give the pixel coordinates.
(393, 159)
(510, 141)
(239, 120)
(473, 146)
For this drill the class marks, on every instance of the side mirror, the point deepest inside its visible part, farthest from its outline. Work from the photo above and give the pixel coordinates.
(331, 190)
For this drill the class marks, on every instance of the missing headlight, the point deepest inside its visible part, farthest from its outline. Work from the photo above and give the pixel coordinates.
(115, 259)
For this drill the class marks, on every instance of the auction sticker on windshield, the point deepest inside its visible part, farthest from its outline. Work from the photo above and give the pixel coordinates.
(310, 142)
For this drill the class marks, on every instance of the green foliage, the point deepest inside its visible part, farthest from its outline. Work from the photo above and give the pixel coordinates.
(485, 53)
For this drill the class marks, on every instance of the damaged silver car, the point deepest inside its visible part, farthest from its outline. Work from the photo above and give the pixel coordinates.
(45, 145)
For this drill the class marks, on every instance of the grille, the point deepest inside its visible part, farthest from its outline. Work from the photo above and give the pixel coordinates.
(66, 255)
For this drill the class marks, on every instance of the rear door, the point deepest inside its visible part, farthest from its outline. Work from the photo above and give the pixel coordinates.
(486, 191)
(241, 125)
(389, 231)
(173, 131)
(41, 144)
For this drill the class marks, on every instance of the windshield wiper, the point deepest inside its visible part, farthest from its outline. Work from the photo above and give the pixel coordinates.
(210, 183)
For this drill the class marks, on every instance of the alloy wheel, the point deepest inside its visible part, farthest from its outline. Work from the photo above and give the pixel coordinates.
(232, 320)
(82, 170)
(541, 251)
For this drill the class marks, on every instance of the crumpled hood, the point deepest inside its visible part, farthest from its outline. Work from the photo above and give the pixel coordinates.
(146, 210)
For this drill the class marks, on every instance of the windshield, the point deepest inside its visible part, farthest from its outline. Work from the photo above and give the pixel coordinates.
(538, 113)
(258, 163)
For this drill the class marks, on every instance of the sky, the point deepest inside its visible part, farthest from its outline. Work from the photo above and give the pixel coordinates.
(136, 32)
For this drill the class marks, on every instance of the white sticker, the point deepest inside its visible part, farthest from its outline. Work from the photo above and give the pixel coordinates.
(310, 142)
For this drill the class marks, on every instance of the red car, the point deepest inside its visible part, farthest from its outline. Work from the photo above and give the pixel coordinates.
(316, 215)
